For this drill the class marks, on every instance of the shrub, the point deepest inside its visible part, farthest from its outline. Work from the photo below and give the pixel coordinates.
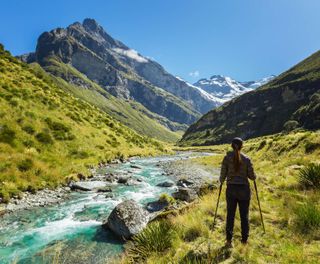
(79, 154)
(29, 129)
(25, 165)
(192, 233)
(155, 238)
(311, 146)
(59, 130)
(309, 176)
(44, 138)
(307, 217)
(290, 125)
(164, 197)
(7, 135)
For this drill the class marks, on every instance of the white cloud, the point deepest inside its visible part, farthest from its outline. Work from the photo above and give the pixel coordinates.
(131, 54)
(194, 74)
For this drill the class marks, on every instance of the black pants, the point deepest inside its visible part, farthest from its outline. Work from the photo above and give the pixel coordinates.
(238, 194)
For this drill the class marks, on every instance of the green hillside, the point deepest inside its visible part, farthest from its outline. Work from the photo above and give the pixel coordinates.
(47, 135)
(290, 101)
(128, 112)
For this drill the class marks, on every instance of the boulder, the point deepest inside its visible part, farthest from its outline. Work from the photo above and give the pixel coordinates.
(135, 166)
(127, 219)
(156, 206)
(165, 184)
(79, 186)
(104, 189)
(184, 182)
(109, 195)
(185, 194)
(87, 185)
(123, 179)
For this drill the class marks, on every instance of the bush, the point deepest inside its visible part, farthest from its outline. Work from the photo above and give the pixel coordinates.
(44, 138)
(155, 238)
(311, 146)
(79, 154)
(7, 135)
(29, 129)
(290, 125)
(25, 165)
(164, 197)
(307, 217)
(309, 176)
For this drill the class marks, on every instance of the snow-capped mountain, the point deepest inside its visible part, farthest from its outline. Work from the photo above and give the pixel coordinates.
(225, 88)
(256, 84)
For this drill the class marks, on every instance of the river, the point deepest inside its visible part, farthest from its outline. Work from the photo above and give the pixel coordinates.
(71, 232)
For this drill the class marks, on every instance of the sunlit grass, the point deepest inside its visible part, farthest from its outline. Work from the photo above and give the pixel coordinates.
(290, 213)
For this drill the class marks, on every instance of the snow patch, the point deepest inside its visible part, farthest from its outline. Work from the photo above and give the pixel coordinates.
(132, 54)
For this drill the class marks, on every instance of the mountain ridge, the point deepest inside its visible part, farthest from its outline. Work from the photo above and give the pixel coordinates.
(290, 101)
(119, 70)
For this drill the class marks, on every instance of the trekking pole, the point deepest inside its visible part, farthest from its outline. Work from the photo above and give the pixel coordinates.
(255, 187)
(215, 214)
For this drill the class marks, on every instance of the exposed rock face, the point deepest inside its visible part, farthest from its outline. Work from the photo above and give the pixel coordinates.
(293, 96)
(127, 219)
(120, 70)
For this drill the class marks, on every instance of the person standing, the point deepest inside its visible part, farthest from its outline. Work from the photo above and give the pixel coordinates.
(236, 169)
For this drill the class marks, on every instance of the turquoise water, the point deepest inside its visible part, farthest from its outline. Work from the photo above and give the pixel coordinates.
(71, 231)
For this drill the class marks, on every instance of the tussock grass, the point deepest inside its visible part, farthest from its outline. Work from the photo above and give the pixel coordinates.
(156, 238)
(309, 176)
(307, 216)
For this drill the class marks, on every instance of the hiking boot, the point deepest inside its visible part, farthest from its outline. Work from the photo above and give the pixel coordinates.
(228, 244)
(244, 242)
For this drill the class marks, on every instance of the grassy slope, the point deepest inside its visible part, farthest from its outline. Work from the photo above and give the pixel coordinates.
(48, 135)
(130, 113)
(274, 158)
(265, 110)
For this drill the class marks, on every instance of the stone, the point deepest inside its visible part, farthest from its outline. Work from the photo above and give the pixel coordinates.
(133, 166)
(185, 194)
(109, 195)
(123, 179)
(104, 189)
(127, 219)
(165, 184)
(156, 206)
(184, 182)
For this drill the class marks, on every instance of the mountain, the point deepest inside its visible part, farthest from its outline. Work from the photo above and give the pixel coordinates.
(47, 135)
(225, 88)
(289, 101)
(84, 55)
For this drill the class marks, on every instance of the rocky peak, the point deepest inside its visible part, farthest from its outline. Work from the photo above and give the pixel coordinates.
(91, 25)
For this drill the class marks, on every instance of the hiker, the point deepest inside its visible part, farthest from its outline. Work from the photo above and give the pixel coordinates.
(237, 168)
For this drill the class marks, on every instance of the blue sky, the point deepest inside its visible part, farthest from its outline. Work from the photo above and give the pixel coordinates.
(246, 39)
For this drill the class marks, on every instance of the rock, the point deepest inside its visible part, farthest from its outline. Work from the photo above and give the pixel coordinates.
(81, 177)
(78, 186)
(185, 194)
(123, 180)
(165, 184)
(127, 219)
(156, 206)
(139, 180)
(109, 195)
(135, 166)
(87, 185)
(184, 182)
(110, 177)
(104, 189)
